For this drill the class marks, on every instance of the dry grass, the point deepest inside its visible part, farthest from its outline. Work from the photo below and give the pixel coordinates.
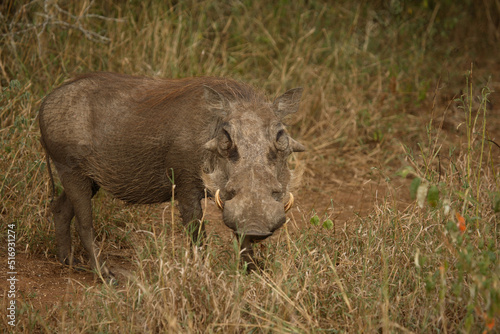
(380, 82)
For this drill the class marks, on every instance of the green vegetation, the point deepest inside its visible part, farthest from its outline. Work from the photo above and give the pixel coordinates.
(398, 88)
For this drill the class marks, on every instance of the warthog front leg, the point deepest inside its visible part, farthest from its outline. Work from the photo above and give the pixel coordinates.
(246, 253)
(191, 214)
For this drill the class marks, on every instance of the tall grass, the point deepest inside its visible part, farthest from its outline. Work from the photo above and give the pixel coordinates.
(370, 72)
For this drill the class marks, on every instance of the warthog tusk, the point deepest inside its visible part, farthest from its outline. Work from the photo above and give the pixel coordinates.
(289, 204)
(218, 200)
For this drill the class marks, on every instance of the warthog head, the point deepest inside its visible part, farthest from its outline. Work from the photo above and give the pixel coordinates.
(247, 170)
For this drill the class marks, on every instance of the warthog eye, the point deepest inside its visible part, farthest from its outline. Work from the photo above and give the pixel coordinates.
(281, 140)
(225, 141)
(227, 148)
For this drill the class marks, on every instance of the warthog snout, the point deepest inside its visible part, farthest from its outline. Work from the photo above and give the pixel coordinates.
(257, 221)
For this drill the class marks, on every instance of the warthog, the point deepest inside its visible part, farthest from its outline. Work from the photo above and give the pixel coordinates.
(132, 135)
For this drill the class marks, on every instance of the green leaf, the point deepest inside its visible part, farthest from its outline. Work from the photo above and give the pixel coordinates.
(328, 224)
(414, 187)
(403, 172)
(315, 220)
(433, 196)
(496, 202)
(15, 84)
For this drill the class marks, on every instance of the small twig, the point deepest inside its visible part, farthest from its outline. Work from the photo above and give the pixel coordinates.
(87, 15)
(104, 18)
(51, 20)
(90, 35)
(439, 167)
(491, 141)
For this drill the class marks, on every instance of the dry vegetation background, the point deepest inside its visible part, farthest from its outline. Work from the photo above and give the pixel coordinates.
(396, 227)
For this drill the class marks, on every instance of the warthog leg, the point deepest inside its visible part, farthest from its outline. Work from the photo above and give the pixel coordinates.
(191, 214)
(62, 208)
(63, 213)
(247, 253)
(79, 190)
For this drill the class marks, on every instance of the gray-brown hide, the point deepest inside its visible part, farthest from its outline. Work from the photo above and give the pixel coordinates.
(127, 134)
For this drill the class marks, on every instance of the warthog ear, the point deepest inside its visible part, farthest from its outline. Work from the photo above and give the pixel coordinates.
(288, 103)
(216, 102)
(296, 146)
